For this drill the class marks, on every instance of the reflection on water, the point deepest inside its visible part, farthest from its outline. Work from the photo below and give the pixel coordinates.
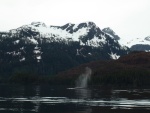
(84, 96)
(48, 99)
(83, 93)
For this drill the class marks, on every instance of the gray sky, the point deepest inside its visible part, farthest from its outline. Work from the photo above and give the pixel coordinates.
(128, 18)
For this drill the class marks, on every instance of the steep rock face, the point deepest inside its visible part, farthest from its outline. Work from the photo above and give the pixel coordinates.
(39, 49)
(110, 32)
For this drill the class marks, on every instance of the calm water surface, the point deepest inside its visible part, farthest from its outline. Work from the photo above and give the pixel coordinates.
(49, 99)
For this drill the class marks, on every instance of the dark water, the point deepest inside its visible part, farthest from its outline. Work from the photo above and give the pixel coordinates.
(49, 99)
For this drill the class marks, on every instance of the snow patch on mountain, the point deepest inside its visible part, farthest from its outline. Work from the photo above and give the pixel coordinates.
(22, 59)
(16, 42)
(32, 40)
(114, 56)
(96, 41)
(75, 26)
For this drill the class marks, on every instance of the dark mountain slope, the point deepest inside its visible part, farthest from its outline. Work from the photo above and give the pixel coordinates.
(131, 70)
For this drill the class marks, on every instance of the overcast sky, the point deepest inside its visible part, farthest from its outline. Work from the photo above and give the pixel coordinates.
(128, 18)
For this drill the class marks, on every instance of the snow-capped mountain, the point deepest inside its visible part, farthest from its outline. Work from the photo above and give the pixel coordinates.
(51, 49)
(138, 44)
(67, 32)
(87, 33)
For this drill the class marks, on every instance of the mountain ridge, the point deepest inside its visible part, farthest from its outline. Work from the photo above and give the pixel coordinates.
(48, 50)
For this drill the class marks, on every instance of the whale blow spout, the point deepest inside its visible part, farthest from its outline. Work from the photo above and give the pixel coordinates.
(82, 81)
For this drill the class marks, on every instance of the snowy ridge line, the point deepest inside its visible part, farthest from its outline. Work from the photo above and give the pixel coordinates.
(85, 34)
